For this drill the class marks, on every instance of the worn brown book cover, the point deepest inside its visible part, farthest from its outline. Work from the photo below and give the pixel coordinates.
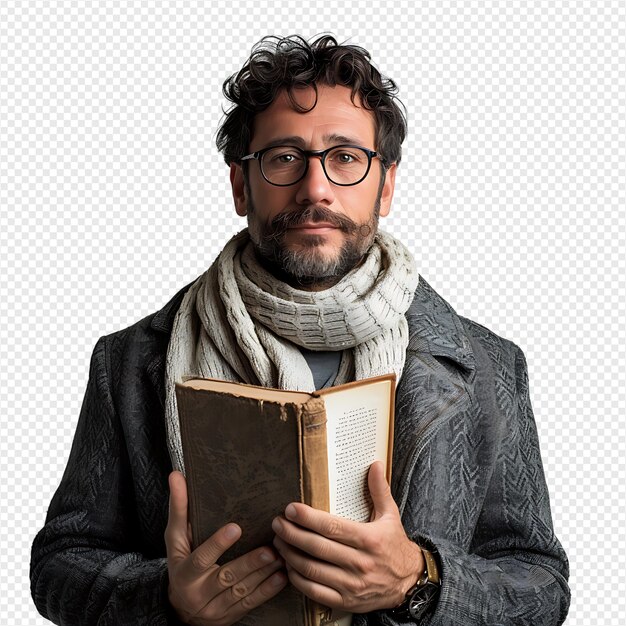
(250, 450)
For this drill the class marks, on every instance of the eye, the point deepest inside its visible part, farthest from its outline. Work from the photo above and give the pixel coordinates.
(283, 156)
(344, 156)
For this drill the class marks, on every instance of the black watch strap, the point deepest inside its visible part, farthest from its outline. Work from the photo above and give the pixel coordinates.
(421, 598)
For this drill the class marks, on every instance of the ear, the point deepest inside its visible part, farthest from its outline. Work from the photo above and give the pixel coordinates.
(238, 185)
(388, 187)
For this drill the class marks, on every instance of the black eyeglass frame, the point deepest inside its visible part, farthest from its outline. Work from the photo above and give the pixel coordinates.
(371, 154)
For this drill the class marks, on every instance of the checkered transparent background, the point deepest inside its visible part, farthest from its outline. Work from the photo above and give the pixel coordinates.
(511, 193)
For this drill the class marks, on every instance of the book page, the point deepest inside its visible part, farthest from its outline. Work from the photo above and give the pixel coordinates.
(357, 430)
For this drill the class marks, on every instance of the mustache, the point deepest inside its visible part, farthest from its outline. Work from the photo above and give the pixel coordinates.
(288, 219)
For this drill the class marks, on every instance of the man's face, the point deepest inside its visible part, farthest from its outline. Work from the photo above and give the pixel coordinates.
(312, 233)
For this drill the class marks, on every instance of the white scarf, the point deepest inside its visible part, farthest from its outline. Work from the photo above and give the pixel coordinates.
(237, 322)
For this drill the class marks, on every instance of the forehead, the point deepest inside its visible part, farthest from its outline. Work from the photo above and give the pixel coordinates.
(334, 119)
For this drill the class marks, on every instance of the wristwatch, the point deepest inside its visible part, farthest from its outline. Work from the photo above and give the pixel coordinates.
(421, 598)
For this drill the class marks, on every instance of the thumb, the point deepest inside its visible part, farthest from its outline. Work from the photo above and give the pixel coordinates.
(176, 534)
(380, 492)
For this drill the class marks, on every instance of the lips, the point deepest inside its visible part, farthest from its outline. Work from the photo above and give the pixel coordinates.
(312, 229)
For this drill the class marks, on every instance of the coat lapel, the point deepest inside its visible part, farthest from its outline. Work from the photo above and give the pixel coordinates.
(162, 323)
(436, 383)
(435, 328)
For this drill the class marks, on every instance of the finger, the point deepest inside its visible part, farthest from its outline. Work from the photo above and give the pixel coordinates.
(333, 527)
(313, 543)
(251, 592)
(246, 587)
(177, 541)
(327, 596)
(237, 570)
(322, 572)
(266, 590)
(209, 551)
(383, 501)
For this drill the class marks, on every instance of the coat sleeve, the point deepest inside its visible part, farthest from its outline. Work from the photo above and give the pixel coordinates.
(85, 567)
(515, 571)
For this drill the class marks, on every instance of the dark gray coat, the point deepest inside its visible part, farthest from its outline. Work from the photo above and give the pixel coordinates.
(467, 477)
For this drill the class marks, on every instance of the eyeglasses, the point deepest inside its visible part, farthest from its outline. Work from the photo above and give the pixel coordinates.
(343, 165)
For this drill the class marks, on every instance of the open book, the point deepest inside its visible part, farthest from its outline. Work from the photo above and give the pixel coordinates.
(249, 451)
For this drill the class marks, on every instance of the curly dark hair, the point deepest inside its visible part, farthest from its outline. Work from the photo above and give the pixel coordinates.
(291, 62)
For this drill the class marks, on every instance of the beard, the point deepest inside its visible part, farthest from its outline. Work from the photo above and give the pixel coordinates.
(310, 266)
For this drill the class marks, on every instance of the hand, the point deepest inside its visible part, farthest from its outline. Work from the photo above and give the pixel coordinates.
(202, 592)
(342, 564)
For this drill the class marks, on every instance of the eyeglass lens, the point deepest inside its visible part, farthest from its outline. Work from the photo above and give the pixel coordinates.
(285, 165)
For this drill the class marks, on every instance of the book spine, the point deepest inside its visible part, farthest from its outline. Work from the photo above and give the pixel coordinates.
(314, 451)
(314, 475)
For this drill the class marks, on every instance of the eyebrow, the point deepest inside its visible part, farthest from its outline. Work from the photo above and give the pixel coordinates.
(295, 140)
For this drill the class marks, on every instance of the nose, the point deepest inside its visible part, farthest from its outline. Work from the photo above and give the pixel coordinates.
(315, 188)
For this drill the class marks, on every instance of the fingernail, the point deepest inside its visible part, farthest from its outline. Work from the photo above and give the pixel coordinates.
(231, 532)
(266, 557)
(276, 525)
(278, 579)
(290, 511)
(277, 545)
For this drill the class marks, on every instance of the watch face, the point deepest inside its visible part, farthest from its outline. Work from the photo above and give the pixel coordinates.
(422, 600)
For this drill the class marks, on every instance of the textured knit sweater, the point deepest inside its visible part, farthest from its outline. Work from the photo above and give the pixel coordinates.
(467, 478)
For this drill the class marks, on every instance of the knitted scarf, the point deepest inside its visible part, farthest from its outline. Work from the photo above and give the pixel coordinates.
(237, 322)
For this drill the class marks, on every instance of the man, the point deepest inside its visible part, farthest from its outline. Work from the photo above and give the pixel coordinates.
(310, 295)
